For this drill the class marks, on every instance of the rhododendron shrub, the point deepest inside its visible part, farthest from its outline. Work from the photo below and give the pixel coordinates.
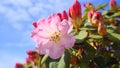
(76, 40)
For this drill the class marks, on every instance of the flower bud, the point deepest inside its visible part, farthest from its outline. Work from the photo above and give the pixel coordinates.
(75, 15)
(19, 65)
(96, 19)
(90, 15)
(30, 59)
(35, 24)
(63, 15)
(75, 10)
(33, 56)
(102, 29)
(113, 5)
(31, 52)
(88, 4)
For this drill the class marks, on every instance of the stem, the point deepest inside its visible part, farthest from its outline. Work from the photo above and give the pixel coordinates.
(39, 63)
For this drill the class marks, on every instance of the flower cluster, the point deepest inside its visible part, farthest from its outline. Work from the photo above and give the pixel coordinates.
(72, 39)
(96, 19)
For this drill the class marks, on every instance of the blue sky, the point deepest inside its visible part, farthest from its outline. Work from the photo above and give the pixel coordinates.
(16, 17)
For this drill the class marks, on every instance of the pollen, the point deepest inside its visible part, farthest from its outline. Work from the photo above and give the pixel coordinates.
(55, 37)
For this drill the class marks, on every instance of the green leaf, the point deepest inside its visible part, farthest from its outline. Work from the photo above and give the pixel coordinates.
(116, 48)
(84, 16)
(83, 64)
(111, 29)
(100, 62)
(65, 60)
(108, 13)
(116, 14)
(81, 35)
(90, 51)
(101, 6)
(88, 26)
(96, 36)
(114, 36)
(44, 59)
(89, 8)
(53, 65)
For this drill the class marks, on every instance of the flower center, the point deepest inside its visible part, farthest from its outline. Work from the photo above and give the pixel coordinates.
(55, 37)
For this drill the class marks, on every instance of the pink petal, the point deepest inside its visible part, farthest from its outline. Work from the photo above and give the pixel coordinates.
(64, 27)
(44, 46)
(56, 51)
(34, 35)
(68, 41)
(55, 21)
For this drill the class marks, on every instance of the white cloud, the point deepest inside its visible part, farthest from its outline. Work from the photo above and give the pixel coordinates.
(17, 3)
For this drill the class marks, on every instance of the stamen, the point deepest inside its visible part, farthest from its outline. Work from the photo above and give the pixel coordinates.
(55, 37)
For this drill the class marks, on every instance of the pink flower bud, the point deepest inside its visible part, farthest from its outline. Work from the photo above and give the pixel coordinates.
(96, 19)
(32, 56)
(31, 52)
(75, 15)
(113, 2)
(19, 65)
(102, 29)
(90, 15)
(28, 60)
(88, 4)
(35, 24)
(63, 15)
(75, 10)
(113, 5)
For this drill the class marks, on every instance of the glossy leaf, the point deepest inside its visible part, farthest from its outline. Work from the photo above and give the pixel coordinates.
(101, 6)
(100, 62)
(116, 14)
(65, 60)
(96, 36)
(44, 59)
(88, 26)
(83, 64)
(81, 35)
(51, 63)
(113, 36)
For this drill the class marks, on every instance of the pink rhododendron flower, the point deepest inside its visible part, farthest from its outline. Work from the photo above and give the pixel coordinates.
(52, 36)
